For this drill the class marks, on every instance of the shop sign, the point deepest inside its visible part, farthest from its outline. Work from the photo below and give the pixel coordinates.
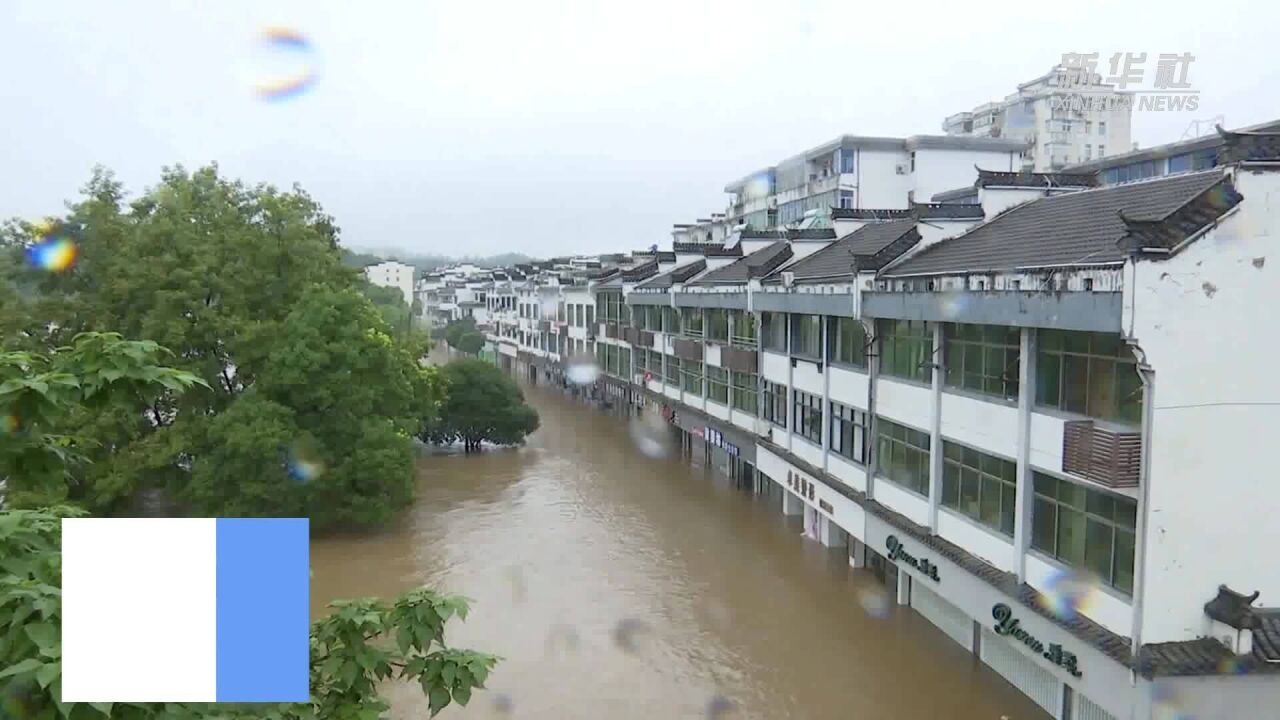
(897, 552)
(801, 485)
(1009, 626)
(716, 438)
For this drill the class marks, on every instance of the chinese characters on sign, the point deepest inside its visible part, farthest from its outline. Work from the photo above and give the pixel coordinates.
(1078, 74)
(800, 484)
(1007, 624)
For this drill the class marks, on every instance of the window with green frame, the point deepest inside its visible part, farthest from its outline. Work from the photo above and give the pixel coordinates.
(692, 372)
(903, 455)
(774, 397)
(1093, 374)
(640, 317)
(1085, 528)
(846, 341)
(718, 384)
(773, 331)
(807, 416)
(673, 371)
(982, 358)
(746, 392)
(717, 324)
(806, 336)
(692, 321)
(624, 362)
(743, 328)
(981, 486)
(906, 349)
(848, 432)
(670, 320)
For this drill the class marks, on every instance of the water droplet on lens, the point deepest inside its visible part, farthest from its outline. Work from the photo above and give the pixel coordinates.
(720, 706)
(562, 637)
(627, 633)
(502, 703)
(518, 588)
(875, 601)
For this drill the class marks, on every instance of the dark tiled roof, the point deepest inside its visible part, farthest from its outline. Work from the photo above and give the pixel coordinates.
(1248, 146)
(758, 234)
(968, 191)
(988, 178)
(690, 247)
(1233, 608)
(602, 274)
(1081, 228)
(757, 264)
(1207, 656)
(717, 251)
(671, 277)
(868, 247)
(869, 214)
(640, 272)
(942, 211)
(666, 256)
(811, 234)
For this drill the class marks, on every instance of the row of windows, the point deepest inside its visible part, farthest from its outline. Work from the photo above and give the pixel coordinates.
(611, 307)
(774, 398)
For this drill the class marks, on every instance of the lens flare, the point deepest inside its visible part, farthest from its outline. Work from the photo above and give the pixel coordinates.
(303, 464)
(292, 62)
(55, 251)
(582, 370)
(1165, 704)
(1068, 593)
(1233, 666)
(8, 424)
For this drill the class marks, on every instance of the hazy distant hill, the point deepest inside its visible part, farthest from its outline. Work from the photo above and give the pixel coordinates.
(427, 262)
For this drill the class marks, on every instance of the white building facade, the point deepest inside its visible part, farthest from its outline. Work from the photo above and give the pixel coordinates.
(394, 275)
(1040, 419)
(1046, 114)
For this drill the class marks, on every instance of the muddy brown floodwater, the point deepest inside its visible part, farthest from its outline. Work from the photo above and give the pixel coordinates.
(620, 586)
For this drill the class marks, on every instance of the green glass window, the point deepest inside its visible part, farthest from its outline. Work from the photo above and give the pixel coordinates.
(906, 349)
(717, 324)
(982, 358)
(774, 331)
(746, 392)
(692, 322)
(670, 321)
(1085, 528)
(806, 335)
(903, 455)
(846, 341)
(673, 371)
(983, 487)
(718, 384)
(692, 377)
(744, 328)
(1092, 374)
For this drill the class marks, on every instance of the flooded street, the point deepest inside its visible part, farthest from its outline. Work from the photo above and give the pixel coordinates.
(717, 593)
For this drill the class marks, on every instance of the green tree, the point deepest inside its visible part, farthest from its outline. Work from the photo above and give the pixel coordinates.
(358, 646)
(456, 329)
(481, 404)
(247, 287)
(48, 400)
(335, 388)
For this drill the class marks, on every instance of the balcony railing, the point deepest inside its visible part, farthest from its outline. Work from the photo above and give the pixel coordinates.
(1104, 455)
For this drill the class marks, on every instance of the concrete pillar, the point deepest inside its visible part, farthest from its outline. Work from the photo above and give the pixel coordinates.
(857, 553)
(1025, 492)
(904, 588)
(792, 504)
(873, 375)
(935, 429)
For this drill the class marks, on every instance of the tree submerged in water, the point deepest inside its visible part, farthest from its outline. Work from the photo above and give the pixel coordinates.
(481, 404)
(360, 645)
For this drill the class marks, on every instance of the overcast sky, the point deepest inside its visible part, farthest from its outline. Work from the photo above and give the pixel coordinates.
(550, 126)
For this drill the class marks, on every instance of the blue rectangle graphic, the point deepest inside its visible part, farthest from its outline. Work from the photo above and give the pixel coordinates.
(263, 618)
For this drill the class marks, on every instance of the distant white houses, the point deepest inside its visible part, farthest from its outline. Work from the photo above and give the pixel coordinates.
(393, 274)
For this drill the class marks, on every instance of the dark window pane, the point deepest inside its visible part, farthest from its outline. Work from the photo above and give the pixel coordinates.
(950, 485)
(1071, 531)
(1043, 531)
(990, 511)
(1075, 384)
(1047, 380)
(1123, 576)
(1098, 547)
(970, 487)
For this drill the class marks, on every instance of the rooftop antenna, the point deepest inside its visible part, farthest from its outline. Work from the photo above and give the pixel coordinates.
(1198, 128)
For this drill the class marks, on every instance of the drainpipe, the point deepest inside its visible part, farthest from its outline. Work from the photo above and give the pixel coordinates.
(1144, 501)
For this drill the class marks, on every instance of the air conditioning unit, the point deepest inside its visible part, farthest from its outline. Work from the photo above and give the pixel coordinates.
(788, 279)
(900, 169)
